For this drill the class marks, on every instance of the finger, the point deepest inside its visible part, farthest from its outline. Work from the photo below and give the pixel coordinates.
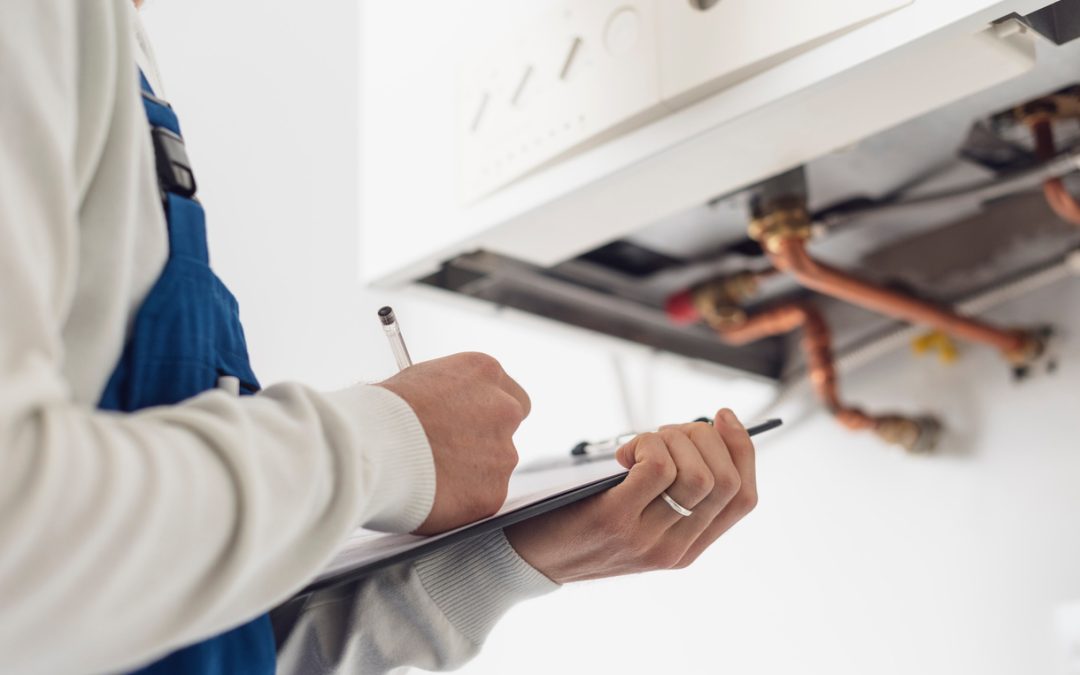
(740, 447)
(693, 480)
(720, 459)
(727, 482)
(511, 386)
(723, 522)
(652, 470)
(742, 453)
(625, 454)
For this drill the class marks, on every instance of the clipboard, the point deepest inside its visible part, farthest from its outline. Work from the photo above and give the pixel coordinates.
(531, 493)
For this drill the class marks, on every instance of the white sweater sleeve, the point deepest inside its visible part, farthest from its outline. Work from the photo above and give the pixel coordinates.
(125, 535)
(433, 615)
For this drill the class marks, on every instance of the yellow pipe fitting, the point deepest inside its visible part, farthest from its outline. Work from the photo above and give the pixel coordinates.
(936, 341)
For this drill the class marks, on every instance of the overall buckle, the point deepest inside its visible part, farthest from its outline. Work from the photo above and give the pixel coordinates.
(173, 166)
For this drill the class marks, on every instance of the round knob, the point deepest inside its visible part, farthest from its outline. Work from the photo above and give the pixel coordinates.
(621, 33)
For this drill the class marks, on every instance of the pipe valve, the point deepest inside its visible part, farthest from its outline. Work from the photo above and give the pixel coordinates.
(917, 435)
(783, 219)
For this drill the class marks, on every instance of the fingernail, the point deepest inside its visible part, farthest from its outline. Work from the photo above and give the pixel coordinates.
(730, 419)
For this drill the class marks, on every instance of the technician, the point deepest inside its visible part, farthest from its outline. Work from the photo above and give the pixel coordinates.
(153, 511)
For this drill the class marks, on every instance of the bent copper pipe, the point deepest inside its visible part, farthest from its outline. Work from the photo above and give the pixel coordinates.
(790, 255)
(1059, 199)
(816, 344)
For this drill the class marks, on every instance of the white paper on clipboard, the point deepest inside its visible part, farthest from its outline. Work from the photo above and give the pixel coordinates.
(365, 547)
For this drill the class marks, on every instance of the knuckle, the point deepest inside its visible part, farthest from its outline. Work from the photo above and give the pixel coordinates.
(728, 484)
(702, 428)
(507, 409)
(510, 458)
(663, 472)
(670, 434)
(483, 364)
(747, 500)
(649, 439)
(699, 483)
(527, 405)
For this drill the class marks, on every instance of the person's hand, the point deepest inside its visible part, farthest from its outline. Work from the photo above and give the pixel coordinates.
(469, 408)
(629, 528)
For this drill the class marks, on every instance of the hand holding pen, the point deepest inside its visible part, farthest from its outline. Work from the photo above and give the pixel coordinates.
(685, 484)
(469, 409)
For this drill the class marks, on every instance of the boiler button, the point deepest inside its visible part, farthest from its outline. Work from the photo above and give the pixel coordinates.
(621, 33)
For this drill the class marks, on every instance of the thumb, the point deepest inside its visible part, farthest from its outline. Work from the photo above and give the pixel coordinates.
(652, 471)
(625, 454)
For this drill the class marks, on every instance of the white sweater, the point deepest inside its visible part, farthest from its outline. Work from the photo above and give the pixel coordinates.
(124, 536)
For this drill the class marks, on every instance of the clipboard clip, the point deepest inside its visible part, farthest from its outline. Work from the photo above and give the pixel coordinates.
(606, 448)
(598, 451)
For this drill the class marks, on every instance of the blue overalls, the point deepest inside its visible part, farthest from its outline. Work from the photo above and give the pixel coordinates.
(186, 337)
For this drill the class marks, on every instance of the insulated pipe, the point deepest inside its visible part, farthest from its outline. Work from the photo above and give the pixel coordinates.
(1059, 199)
(788, 253)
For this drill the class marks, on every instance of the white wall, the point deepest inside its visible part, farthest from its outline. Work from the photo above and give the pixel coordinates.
(858, 560)
(862, 560)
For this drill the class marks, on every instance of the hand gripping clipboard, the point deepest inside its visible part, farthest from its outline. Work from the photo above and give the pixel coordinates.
(531, 493)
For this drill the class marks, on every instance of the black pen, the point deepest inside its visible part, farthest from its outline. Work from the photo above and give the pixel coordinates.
(596, 451)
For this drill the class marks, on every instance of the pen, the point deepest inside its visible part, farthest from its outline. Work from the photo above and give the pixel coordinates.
(393, 334)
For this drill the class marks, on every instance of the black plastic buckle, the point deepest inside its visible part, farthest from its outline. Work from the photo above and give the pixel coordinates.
(173, 166)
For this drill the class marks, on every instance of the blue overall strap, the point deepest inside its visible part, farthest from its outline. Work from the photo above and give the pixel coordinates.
(186, 336)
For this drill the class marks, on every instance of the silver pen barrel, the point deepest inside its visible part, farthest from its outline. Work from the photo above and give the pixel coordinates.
(392, 329)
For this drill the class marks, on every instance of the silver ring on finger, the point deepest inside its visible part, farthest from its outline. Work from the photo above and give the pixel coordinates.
(676, 506)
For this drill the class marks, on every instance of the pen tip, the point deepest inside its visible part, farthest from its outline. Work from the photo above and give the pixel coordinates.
(386, 315)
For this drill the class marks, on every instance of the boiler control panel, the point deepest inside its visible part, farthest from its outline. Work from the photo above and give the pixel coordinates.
(586, 72)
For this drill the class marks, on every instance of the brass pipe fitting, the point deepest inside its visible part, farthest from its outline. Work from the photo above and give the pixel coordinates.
(916, 435)
(1028, 351)
(718, 301)
(786, 218)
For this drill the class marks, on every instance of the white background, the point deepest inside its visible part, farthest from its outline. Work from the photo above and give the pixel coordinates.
(858, 560)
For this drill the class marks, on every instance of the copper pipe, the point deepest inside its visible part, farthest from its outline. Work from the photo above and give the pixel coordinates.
(816, 344)
(734, 327)
(1059, 199)
(775, 321)
(789, 254)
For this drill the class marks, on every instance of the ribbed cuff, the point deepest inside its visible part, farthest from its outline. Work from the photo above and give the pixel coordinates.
(397, 457)
(473, 583)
